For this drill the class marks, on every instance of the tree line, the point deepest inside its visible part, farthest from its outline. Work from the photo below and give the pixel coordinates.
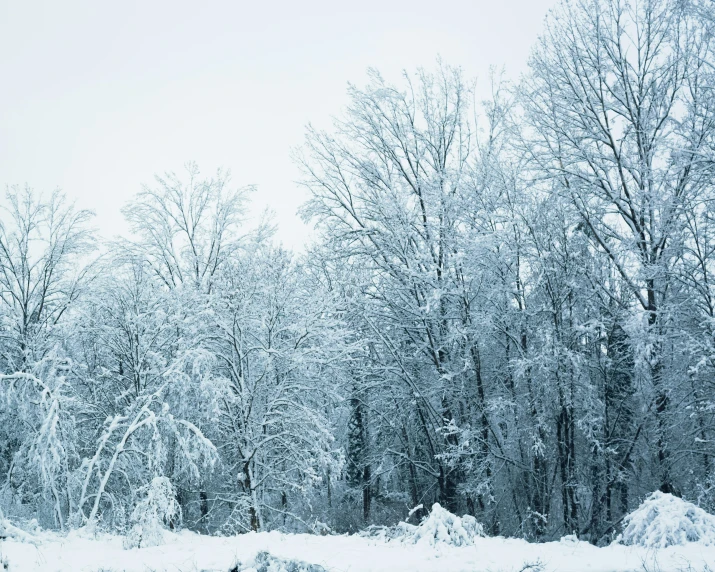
(509, 309)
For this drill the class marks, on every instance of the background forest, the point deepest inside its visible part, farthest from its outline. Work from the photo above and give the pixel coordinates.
(509, 309)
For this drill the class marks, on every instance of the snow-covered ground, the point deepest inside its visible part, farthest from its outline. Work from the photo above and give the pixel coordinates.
(185, 551)
(664, 534)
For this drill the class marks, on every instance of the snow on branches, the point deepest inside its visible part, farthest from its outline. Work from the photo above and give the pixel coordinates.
(666, 520)
(153, 513)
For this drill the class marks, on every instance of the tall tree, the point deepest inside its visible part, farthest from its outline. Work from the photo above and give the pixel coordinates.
(614, 105)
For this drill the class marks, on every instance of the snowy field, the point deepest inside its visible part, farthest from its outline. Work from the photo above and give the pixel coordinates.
(664, 534)
(190, 552)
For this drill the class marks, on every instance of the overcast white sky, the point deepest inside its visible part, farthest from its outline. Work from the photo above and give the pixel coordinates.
(96, 97)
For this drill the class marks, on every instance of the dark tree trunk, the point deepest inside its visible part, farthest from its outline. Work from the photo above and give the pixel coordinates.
(366, 494)
(204, 507)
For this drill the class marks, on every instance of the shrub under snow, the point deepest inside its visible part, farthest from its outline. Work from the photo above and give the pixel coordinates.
(7, 530)
(440, 527)
(443, 527)
(665, 520)
(152, 514)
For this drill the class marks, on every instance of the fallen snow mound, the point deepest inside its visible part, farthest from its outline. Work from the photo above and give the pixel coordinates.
(665, 520)
(266, 562)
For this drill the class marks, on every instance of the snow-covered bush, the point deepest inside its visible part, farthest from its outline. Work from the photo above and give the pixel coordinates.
(472, 526)
(665, 520)
(8, 530)
(443, 527)
(398, 532)
(152, 513)
(440, 527)
(569, 540)
(40, 401)
(265, 562)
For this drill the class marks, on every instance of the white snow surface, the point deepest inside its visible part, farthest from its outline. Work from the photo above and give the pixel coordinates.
(80, 551)
(665, 520)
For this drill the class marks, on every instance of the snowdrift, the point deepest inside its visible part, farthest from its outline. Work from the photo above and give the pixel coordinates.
(441, 527)
(665, 520)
